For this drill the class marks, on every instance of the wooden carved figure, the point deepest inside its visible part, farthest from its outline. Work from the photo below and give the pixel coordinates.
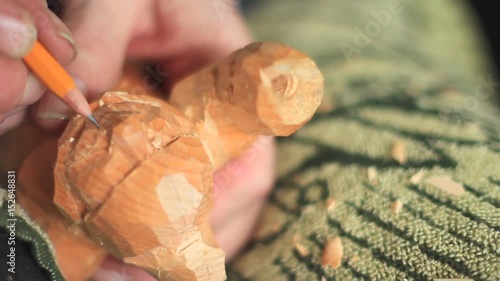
(141, 184)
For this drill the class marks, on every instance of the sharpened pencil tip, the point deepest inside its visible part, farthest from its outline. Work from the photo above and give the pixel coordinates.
(92, 119)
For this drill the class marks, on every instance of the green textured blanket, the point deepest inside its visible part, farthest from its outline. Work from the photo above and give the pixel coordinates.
(400, 168)
(403, 174)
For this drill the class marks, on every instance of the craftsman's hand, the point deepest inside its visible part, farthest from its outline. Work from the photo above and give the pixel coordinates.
(180, 36)
(21, 21)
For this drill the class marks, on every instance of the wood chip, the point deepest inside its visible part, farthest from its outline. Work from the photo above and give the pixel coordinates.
(330, 204)
(354, 259)
(332, 253)
(157, 142)
(398, 152)
(447, 184)
(416, 178)
(372, 174)
(299, 247)
(397, 206)
(101, 102)
(275, 228)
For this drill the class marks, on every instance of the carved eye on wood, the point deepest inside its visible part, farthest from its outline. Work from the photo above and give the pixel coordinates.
(141, 185)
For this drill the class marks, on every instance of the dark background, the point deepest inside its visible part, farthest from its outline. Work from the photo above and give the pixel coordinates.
(489, 14)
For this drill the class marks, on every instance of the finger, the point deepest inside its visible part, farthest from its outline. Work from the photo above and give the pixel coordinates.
(12, 120)
(102, 39)
(241, 187)
(115, 270)
(241, 228)
(52, 113)
(52, 32)
(193, 34)
(33, 91)
(18, 87)
(17, 30)
(13, 77)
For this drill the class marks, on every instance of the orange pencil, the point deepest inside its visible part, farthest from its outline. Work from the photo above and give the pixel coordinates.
(53, 75)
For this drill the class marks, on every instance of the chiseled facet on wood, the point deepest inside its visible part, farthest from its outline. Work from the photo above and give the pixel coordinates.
(262, 89)
(141, 185)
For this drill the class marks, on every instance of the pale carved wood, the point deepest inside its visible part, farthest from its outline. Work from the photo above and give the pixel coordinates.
(141, 185)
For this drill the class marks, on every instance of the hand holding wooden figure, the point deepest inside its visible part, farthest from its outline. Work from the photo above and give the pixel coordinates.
(141, 186)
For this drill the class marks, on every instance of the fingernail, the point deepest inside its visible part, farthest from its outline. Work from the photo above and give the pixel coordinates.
(52, 108)
(54, 116)
(21, 35)
(64, 33)
(67, 36)
(33, 90)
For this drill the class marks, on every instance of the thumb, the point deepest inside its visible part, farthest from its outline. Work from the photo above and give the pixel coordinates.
(102, 30)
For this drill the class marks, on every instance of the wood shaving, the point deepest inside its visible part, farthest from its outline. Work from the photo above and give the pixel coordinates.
(372, 174)
(330, 204)
(101, 103)
(275, 228)
(416, 178)
(332, 253)
(398, 152)
(447, 184)
(354, 259)
(397, 206)
(157, 142)
(299, 247)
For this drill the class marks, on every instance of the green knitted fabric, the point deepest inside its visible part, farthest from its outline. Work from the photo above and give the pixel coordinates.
(29, 231)
(395, 222)
(414, 86)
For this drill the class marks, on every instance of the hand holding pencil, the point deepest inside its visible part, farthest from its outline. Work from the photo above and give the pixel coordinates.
(19, 30)
(178, 36)
(51, 73)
